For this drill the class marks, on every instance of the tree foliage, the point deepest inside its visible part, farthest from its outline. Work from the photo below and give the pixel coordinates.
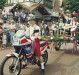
(72, 5)
(2, 3)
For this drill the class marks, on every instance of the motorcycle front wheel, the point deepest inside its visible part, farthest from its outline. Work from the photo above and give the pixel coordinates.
(8, 65)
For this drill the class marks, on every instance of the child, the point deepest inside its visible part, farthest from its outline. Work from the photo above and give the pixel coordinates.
(74, 24)
(53, 28)
(4, 40)
(51, 34)
(61, 24)
(1, 36)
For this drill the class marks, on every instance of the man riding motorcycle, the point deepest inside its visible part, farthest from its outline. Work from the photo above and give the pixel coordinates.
(34, 36)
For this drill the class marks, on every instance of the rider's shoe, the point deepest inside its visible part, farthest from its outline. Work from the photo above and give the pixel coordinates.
(42, 71)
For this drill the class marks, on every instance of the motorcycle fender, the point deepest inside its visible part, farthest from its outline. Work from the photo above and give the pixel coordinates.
(13, 54)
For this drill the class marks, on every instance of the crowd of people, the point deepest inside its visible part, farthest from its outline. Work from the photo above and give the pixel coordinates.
(10, 23)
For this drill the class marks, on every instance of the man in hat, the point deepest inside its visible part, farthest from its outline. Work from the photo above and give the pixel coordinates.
(35, 36)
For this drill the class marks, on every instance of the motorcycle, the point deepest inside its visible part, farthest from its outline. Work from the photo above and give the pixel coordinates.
(23, 54)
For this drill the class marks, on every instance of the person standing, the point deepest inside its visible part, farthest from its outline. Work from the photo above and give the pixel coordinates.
(16, 16)
(6, 29)
(4, 40)
(47, 29)
(10, 15)
(4, 14)
(12, 31)
(68, 18)
(53, 28)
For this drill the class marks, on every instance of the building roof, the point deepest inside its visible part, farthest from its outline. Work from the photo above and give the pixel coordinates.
(29, 8)
(39, 7)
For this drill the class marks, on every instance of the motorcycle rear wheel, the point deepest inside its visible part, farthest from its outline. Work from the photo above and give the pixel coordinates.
(6, 67)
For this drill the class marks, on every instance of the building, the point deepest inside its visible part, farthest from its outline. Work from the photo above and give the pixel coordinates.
(43, 9)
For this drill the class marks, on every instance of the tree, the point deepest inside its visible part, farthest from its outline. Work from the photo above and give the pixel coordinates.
(72, 5)
(2, 3)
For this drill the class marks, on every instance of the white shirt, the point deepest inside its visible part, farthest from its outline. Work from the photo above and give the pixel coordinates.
(68, 18)
(12, 26)
(6, 26)
(45, 26)
(4, 37)
(26, 27)
(24, 16)
(4, 14)
(32, 28)
(22, 26)
(16, 13)
(53, 27)
(31, 31)
(61, 24)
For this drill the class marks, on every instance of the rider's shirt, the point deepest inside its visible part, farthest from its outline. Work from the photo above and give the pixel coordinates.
(31, 32)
